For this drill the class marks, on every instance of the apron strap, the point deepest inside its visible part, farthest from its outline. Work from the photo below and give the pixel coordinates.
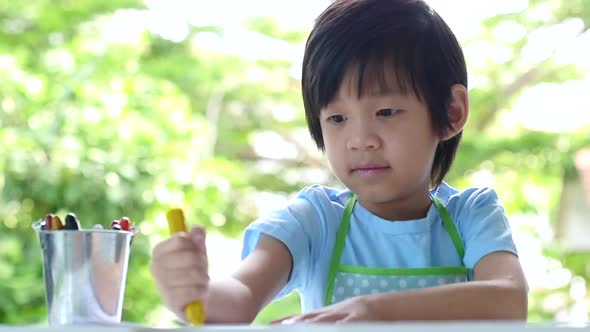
(338, 247)
(450, 226)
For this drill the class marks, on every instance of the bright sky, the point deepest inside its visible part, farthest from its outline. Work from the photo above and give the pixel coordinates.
(535, 109)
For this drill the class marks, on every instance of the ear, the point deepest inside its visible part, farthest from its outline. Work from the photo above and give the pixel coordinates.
(458, 111)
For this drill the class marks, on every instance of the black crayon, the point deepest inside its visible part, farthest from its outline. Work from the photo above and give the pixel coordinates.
(72, 222)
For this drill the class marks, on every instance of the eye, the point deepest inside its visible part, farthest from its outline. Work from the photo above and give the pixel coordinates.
(387, 112)
(336, 119)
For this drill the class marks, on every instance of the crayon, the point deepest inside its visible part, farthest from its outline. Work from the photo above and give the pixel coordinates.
(72, 222)
(56, 223)
(194, 311)
(46, 224)
(125, 223)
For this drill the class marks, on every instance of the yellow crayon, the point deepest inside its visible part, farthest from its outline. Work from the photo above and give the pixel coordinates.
(194, 311)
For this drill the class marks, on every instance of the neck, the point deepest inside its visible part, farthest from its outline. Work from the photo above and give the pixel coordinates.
(411, 207)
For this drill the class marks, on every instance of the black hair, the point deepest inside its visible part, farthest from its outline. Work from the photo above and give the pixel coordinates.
(369, 36)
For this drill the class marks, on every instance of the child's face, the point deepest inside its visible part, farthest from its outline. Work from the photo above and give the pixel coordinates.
(381, 145)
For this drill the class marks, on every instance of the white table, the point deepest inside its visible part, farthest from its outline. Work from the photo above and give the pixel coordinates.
(374, 327)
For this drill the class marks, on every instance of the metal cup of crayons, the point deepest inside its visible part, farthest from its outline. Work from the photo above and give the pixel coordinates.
(85, 270)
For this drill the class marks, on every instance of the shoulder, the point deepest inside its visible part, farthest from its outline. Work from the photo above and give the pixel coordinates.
(481, 222)
(474, 208)
(311, 208)
(467, 199)
(323, 196)
(477, 212)
(317, 204)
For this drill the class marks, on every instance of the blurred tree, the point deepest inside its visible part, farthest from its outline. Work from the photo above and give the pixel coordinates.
(102, 117)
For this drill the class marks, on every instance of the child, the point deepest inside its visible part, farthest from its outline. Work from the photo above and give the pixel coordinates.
(384, 88)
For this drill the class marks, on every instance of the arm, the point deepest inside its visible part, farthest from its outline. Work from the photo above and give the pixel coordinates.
(498, 292)
(258, 279)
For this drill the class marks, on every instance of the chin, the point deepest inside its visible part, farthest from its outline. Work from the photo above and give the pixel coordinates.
(375, 196)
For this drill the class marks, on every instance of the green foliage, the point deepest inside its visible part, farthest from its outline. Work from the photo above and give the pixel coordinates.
(269, 26)
(107, 128)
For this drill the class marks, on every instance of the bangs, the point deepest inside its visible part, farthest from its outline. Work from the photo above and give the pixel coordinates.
(369, 69)
(376, 76)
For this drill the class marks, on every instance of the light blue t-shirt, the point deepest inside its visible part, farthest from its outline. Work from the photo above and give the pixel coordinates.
(308, 227)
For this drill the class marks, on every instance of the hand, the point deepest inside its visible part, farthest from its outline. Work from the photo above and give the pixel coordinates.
(355, 309)
(179, 266)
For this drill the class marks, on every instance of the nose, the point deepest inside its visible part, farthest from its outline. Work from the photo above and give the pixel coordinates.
(363, 137)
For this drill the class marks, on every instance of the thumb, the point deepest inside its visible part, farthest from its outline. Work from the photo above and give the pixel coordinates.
(197, 235)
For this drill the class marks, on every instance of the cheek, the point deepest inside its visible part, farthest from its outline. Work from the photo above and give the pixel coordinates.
(335, 157)
(420, 147)
(331, 140)
(331, 155)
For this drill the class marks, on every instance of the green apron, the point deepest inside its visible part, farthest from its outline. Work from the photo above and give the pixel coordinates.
(346, 281)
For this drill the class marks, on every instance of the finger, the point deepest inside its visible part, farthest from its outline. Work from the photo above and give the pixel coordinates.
(300, 318)
(181, 260)
(180, 269)
(177, 298)
(188, 265)
(177, 242)
(192, 277)
(326, 318)
(289, 320)
(281, 320)
(197, 235)
(197, 229)
(348, 319)
(164, 267)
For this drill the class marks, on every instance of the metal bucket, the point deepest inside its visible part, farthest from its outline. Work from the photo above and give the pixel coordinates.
(85, 273)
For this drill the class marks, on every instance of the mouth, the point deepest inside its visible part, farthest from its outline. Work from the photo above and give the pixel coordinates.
(369, 170)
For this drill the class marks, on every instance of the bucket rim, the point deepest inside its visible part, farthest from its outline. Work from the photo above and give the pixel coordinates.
(86, 231)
